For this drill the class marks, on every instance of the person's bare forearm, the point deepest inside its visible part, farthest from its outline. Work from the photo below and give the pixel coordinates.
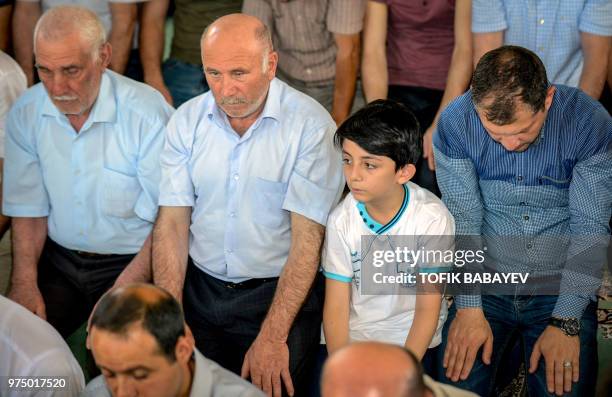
(28, 239)
(296, 278)
(5, 221)
(139, 268)
(151, 40)
(5, 25)
(124, 16)
(347, 67)
(374, 76)
(460, 69)
(485, 42)
(171, 248)
(595, 49)
(336, 313)
(24, 19)
(424, 324)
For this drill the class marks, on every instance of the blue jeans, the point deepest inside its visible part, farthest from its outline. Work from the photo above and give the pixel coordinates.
(184, 80)
(525, 317)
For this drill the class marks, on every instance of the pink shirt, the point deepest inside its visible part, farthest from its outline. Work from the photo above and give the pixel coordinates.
(419, 41)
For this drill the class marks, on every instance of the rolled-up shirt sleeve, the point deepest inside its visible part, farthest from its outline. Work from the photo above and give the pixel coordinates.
(25, 194)
(176, 187)
(488, 16)
(345, 16)
(315, 182)
(148, 168)
(596, 18)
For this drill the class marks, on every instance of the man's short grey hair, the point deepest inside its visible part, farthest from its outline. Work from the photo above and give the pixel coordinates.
(60, 21)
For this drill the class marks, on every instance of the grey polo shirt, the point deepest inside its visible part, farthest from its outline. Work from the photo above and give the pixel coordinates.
(210, 380)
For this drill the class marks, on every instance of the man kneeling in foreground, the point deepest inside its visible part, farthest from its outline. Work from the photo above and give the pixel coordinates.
(142, 346)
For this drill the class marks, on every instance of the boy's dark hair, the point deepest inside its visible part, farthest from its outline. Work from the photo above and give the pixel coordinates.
(384, 128)
(162, 318)
(504, 75)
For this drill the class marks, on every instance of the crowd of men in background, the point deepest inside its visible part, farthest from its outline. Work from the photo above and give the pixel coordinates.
(183, 207)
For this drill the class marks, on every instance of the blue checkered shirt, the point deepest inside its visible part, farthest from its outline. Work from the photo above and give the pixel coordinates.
(560, 186)
(550, 28)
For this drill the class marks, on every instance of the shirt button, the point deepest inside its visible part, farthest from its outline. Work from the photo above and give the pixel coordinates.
(522, 203)
(529, 246)
(309, 71)
(526, 217)
(232, 214)
(541, 49)
(519, 178)
(542, 21)
(236, 177)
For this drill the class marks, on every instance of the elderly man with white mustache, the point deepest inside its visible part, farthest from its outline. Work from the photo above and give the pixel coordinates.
(81, 173)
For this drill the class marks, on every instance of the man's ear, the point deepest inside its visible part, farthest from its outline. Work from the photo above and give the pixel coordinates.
(272, 63)
(550, 93)
(106, 52)
(405, 173)
(184, 346)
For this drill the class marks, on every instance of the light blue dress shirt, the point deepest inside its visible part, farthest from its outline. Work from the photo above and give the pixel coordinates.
(98, 187)
(242, 189)
(550, 28)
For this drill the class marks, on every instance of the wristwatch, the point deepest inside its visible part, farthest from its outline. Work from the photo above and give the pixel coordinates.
(569, 326)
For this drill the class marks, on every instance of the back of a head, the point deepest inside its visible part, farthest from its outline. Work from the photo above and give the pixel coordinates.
(503, 77)
(365, 369)
(61, 21)
(384, 128)
(147, 306)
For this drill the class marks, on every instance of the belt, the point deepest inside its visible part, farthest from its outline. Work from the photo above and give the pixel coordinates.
(247, 284)
(93, 255)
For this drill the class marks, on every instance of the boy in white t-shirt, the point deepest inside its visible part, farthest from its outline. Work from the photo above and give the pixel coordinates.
(380, 145)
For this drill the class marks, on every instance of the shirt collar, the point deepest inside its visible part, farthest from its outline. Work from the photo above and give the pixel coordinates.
(271, 109)
(201, 384)
(376, 227)
(104, 108)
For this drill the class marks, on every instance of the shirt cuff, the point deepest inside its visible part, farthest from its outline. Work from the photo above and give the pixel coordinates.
(467, 301)
(24, 211)
(570, 306)
(337, 277)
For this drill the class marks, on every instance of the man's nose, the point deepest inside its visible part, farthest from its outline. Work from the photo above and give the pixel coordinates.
(228, 88)
(511, 144)
(125, 387)
(59, 85)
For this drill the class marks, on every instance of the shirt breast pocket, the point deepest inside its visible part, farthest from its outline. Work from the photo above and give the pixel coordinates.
(119, 194)
(268, 197)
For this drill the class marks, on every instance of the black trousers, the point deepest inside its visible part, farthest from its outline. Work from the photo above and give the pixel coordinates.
(71, 283)
(424, 103)
(225, 321)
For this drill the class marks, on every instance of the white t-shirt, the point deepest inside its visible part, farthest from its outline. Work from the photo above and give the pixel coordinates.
(385, 318)
(30, 346)
(12, 84)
